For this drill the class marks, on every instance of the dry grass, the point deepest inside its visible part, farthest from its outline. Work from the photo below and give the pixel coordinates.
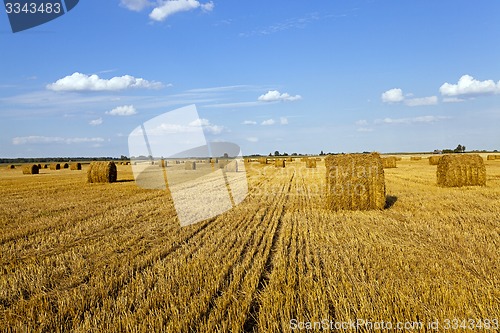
(355, 182)
(114, 259)
(102, 172)
(461, 170)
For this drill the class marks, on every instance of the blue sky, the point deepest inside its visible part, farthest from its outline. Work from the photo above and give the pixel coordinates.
(293, 76)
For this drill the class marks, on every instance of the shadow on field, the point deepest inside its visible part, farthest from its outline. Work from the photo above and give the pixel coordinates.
(390, 200)
(124, 180)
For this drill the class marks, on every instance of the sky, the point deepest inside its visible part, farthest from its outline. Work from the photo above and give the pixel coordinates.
(292, 76)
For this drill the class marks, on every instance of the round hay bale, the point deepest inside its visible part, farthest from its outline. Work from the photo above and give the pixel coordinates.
(76, 166)
(190, 165)
(12, 166)
(355, 182)
(279, 163)
(263, 160)
(434, 160)
(39, 166)
(311, 163)
(65, 166)
(30, 169)
(461, 170)
(102, 172)
(46, 166)
(55, 166)
(389, 162)
(415, 158)
(492, 157)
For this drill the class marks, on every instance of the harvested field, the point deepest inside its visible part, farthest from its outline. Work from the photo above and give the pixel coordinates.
(114, 258)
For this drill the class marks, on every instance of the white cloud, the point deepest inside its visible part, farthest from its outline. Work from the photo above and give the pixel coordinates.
(125, 110)
(275, 96)
(96, 122)
(364, 129)
(207, 125)
(467, 85)
(268, 122)
(396, 96)
(167, 8)
(453, 100)
(284, 121)
(431, 100)
(414, 120)
(249, 122)
(136, 5)
(82, 82)
(393, 96)
(48, 140)
(252, 139)
(362, 122)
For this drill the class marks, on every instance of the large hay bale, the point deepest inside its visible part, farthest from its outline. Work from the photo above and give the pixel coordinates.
(65, 166)
(76, 166)
(279, 163)
(434, 160)
(461, 170)
(30, 169)
(355, 182)
(190, 165)
(102, 172)
(389, 162)
(415, 158)
(311, 163)
(55, 166)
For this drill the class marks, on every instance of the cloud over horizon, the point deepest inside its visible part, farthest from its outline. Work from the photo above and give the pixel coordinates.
(82, 82)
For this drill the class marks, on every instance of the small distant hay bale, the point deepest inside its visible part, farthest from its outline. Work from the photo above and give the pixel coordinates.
(415, 158)
(279, 163)
(102, 172)
(497, 157)
(46, 166)
(39, 166)
(12, 166)
(76, 166)
(434, 160)
(55, 166)
(355, 182)
(30, 169)
(263, 160)
(289, 159)
(163, 164)
(461, 170)
(190, 165)
(311, 163)
(65, 166)
(389, 162)
(492, 157)
(398, 158)
(318, 159)
(231, 166)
